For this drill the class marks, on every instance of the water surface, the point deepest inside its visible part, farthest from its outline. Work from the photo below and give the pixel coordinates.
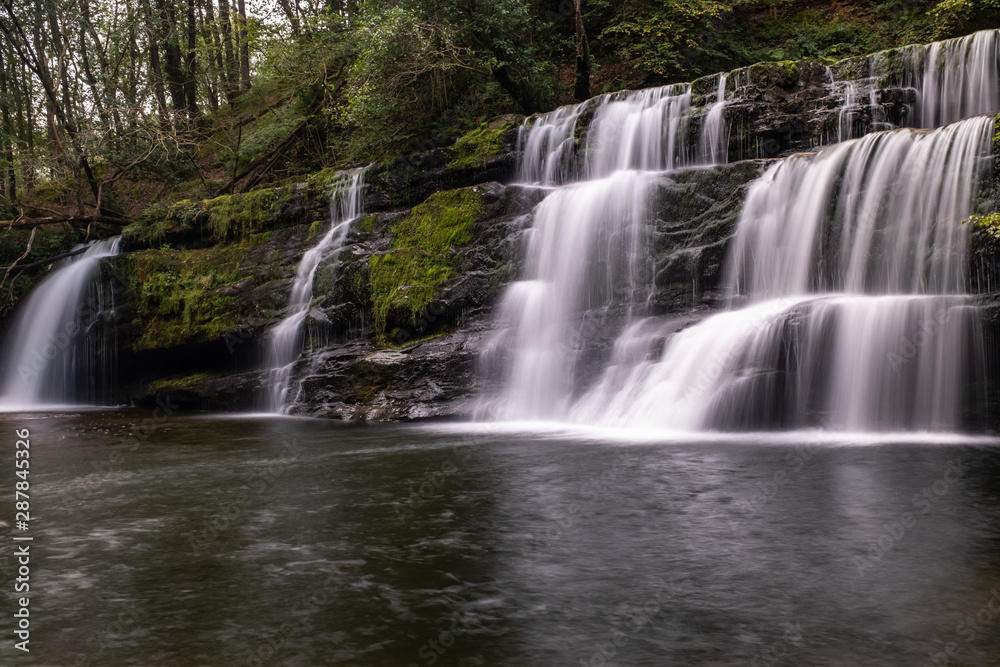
(259, 540)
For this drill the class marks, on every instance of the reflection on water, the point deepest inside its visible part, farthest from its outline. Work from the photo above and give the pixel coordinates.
(245, 541)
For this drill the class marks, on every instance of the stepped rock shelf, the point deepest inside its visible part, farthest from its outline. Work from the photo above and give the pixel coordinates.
(401, 325)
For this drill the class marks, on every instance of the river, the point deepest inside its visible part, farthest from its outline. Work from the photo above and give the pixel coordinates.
(224, 540)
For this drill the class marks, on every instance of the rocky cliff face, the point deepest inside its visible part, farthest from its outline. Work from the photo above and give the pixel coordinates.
(397, 323)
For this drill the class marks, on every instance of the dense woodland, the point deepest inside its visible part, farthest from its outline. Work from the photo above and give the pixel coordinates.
(108, 107)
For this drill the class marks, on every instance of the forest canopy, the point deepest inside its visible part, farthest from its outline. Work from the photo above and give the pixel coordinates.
(109, 106)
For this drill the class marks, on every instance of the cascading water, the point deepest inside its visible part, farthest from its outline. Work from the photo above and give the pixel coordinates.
(953, 80)
(285, 339)
(588, 250)
(589, 253)
(713, 141)
(959, 78)
(853, 261)
(56, 352)
(644, 129)
(548, 147)
(847, 276)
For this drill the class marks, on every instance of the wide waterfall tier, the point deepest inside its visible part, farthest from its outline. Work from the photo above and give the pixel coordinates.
(285, 340)
(952, 80)
(640, 130)
(839, 362)
(853, 262)
(879, 215)
(60, 348)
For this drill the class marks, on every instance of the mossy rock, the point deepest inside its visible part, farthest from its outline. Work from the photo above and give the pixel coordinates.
(180, 384)
(184, 296)
(423, 256)
(781, 73)
(475, 149)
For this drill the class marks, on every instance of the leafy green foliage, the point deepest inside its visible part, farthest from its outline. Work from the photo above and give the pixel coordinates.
(951, 18)
(990, 221)
(659, 36)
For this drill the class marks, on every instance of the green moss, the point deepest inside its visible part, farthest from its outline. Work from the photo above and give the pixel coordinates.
(314, 229)
(475, 149)
(238, 216)
(367, 223)
(423, 256)
(366, 395)
(184, 296)
(179, 383)
(782, 73)
(319, 183)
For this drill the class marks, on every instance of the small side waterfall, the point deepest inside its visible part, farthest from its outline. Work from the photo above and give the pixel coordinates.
(285, 339)
(645, 129)
(56, 351)
(548, 147)
(713, 142)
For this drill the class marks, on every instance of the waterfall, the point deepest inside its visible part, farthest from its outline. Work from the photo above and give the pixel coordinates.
(959, 78)
(645, 130)
(57, 350)
(713, 142)
(853, 261)
(877, 215)
(953, 79)
(589, 263)
(548, 146)
(588, 252)
(285, 339)
(847, 275)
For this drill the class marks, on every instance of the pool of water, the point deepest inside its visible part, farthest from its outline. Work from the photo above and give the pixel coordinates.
(213, 540)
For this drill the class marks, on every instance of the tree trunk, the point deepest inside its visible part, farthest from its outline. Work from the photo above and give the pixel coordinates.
(8, 181)
(170, 45)
(521, 94)
(217, 80)
(191, 62)
(581, 91)
(230, 74)
(241, 8)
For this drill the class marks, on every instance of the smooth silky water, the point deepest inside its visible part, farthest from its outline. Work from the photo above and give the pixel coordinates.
(195, 544)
